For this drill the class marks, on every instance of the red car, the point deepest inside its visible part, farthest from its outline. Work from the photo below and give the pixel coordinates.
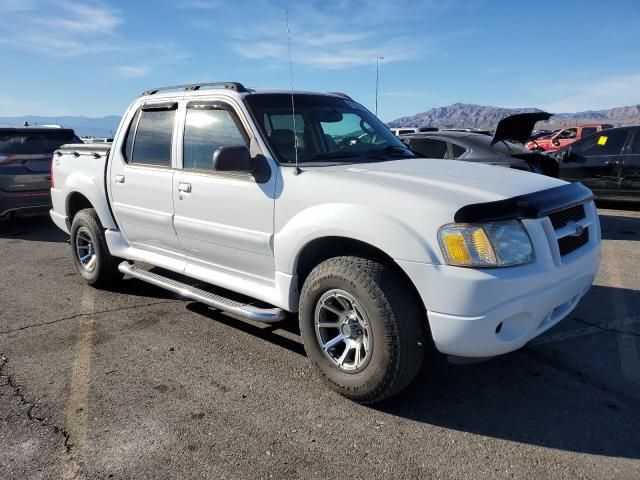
(565, 137)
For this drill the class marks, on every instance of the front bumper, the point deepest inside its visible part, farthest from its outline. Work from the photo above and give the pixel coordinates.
(488, 312)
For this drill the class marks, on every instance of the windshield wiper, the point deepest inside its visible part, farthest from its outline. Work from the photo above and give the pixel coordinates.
(331, 156)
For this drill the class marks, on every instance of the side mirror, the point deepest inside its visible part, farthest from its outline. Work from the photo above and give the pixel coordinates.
(555, 141)
(232, 159)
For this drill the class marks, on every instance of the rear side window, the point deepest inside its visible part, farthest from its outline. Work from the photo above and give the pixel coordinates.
(458, 151)
(430, 148)
(18, 143)
(206, 129)
(588, 131)
(149, 137)
(608, 142)
(635, 146)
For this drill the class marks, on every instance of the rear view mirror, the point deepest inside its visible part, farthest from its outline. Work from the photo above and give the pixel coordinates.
(232, 159)
(327, 115)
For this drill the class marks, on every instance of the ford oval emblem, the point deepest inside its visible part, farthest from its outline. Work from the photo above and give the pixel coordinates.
(578, 230)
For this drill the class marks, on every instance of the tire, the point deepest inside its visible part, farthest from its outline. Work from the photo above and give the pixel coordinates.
(87, 238)
(393, 327)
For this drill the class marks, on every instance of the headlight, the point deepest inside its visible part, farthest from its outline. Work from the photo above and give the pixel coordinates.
(496, 244)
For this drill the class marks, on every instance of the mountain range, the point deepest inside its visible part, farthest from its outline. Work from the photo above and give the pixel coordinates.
(458, 115)
(466, 115)
(83, 126)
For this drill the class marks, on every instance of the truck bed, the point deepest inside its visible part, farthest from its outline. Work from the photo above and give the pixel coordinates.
(83, 167)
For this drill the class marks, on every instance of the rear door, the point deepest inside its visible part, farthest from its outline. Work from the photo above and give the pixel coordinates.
(224, 220)
(141, 179)
(596, 161)
(631, 166)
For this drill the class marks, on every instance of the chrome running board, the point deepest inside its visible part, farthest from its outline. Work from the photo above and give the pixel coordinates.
(244, 310)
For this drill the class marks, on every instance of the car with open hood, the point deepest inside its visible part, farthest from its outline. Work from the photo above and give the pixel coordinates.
(504, 148)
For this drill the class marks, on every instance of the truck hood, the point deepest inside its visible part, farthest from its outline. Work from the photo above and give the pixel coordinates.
(455, 183)
(518, 127)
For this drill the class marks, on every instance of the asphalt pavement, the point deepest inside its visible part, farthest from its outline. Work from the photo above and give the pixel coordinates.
(137, 383)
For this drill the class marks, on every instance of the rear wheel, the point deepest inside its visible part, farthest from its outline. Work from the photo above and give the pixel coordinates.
(362, 328)
(90, 252)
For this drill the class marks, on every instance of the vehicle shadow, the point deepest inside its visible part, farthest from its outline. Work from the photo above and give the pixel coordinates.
(531, 396)
(570, 393)
(37, 228)
(616, 227)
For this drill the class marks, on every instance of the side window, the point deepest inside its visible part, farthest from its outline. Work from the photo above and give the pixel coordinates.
(458, 151)
(567, 133)
(152, 142)
(602, 144)
(206, 129)
(586, 131)
(635, 146)
(429, 147)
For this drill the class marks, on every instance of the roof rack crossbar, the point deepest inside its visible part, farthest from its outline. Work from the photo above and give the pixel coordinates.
(236, 86)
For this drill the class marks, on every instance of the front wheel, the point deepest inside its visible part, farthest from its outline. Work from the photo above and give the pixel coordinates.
(362, 328)
(90, 252)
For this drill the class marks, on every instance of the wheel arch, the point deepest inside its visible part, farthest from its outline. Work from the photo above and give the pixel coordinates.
(85, 192)
(323, 248)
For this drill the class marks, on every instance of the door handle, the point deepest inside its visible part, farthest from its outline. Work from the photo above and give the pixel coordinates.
(119, 178)
(184, 187)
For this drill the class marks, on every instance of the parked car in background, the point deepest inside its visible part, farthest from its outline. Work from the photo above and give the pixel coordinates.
(565, 137)
(504, 149)
(25, 166)
(383, 255)
(407, 130)
(607, 162)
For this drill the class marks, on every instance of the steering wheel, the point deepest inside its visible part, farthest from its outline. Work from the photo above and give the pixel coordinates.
(348, 141)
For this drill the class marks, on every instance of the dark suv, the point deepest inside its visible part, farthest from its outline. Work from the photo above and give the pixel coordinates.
(25, 167)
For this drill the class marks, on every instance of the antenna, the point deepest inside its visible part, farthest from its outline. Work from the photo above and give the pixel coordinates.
(297, 170)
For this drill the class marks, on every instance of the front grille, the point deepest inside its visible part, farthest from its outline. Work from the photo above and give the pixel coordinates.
(572, 243)
(561, 218)
(568, 217)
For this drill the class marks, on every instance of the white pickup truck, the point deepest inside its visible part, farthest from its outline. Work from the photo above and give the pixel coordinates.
(305, 202)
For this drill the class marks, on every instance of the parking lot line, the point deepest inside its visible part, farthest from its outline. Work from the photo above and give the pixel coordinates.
(77, 409)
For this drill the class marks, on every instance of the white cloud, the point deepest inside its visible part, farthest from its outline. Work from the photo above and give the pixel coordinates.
(198, 4)
(59, 28)
(335, 34)
(598, 94)
(132, 71)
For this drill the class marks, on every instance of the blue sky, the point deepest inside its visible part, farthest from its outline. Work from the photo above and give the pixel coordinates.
(62, 57)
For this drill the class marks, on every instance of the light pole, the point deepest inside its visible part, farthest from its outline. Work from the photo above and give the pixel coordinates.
(378, 58)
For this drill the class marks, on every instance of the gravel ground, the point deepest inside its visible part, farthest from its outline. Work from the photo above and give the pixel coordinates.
(136, 383)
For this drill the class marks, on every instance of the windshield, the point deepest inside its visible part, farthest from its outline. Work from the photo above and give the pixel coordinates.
(326, 129)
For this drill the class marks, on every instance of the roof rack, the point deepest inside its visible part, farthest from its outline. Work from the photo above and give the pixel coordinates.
(235, 86)
(340, 94)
